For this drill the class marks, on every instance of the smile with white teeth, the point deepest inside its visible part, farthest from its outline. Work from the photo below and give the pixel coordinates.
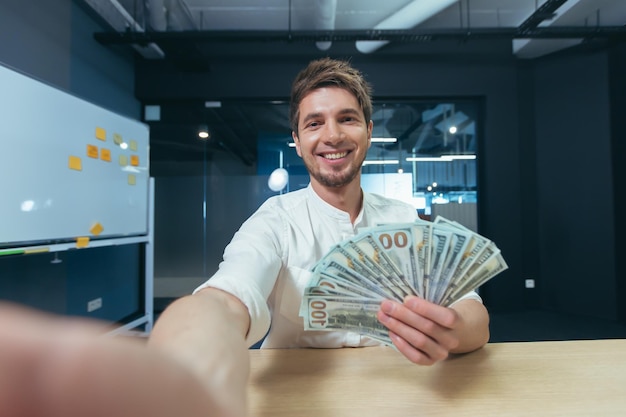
(335, 155)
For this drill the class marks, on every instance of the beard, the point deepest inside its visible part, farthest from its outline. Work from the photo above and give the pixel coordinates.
(335, 178)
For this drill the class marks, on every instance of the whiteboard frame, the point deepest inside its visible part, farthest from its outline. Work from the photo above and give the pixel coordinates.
(71, 169)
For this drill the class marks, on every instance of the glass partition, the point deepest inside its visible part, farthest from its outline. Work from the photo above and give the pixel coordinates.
(423, 152)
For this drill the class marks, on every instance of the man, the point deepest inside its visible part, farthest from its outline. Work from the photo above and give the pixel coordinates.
(267, 264)
(196, 360)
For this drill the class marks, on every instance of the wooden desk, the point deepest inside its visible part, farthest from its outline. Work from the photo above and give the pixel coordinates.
(571, 378)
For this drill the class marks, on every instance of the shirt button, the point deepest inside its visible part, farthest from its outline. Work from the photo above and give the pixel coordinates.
(347, 235)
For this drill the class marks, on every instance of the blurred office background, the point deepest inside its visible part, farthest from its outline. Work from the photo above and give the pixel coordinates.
(503, 114)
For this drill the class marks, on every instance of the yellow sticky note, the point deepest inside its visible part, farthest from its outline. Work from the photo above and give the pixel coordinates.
(117, 138)
(131, 179)
(105, 154)
(92, 151)
(82, 242)
(134, 160)
(101, 134)
(123, 160)
(75, 163)
(96, 229)
(132, 145)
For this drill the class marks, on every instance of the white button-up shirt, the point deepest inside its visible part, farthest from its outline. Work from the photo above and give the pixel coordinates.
(268, 263)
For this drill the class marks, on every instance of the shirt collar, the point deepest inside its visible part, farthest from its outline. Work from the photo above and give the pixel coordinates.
(332, 211)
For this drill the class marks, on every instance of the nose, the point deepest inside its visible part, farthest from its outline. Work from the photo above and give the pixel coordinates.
(334, 133)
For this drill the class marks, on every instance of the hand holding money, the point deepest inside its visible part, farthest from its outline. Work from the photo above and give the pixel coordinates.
(438, 261)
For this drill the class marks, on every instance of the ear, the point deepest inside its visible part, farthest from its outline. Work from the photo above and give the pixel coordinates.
(370, 129)
(296, 140)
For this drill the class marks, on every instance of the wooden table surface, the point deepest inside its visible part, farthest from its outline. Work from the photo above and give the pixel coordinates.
(568, 378)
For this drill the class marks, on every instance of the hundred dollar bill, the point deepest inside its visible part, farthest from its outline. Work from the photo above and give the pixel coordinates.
(476, 245)
(488, 270)
(440, 242)
(330, 285)
(462, 283)
(343, 272)
(458, 243)
(363, 267)
(421, 245)
(491, 267)
(338, 254)
(367, 248)
(327, 285)
(397, 242)
(340, 313)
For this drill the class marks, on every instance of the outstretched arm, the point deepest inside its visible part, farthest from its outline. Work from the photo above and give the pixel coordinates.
(60, 367)
(206, 333)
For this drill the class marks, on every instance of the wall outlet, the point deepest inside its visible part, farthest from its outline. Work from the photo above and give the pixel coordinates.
(94, 304)
(530, 283)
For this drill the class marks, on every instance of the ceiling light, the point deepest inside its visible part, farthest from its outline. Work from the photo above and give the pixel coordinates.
(381, 162)
(426, 159)
(407, 17)
(384, 140)
(442, 158)
(203, 132)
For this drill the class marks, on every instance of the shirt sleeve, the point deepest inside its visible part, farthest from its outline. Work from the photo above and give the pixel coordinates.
(472, 295)
(252, 261)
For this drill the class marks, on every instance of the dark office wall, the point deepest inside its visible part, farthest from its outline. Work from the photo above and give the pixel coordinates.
(575, 184)
(617, 77)
(53, 41)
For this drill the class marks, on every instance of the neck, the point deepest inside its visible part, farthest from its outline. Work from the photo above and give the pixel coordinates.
(348, 198)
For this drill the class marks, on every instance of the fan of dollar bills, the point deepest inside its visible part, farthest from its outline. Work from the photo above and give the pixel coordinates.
(440, 261)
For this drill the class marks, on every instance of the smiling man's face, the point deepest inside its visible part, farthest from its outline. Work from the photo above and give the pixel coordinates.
(333, 136)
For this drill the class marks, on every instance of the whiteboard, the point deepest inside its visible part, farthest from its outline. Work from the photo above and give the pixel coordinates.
(70, 170)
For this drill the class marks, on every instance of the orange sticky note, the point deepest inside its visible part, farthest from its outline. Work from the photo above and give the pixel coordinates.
(96, 229)
(75, 163)
(101, 134)
(123, 160)
(134, 160)
(92, 151)
(131, 179)
(82, 242)
(105, 154)
(132, 145)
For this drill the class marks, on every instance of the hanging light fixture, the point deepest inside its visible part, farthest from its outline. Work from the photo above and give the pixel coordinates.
(203, 132)
(279, 178)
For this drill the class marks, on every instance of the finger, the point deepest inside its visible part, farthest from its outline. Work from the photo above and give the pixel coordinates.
(417, 339)
(417, 328)
(410, 352)
(443, 316)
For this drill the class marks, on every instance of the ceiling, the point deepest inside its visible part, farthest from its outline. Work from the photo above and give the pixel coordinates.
(191, 32)
(536, 27)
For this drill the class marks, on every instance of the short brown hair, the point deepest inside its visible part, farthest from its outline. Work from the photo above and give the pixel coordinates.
(329, 72)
